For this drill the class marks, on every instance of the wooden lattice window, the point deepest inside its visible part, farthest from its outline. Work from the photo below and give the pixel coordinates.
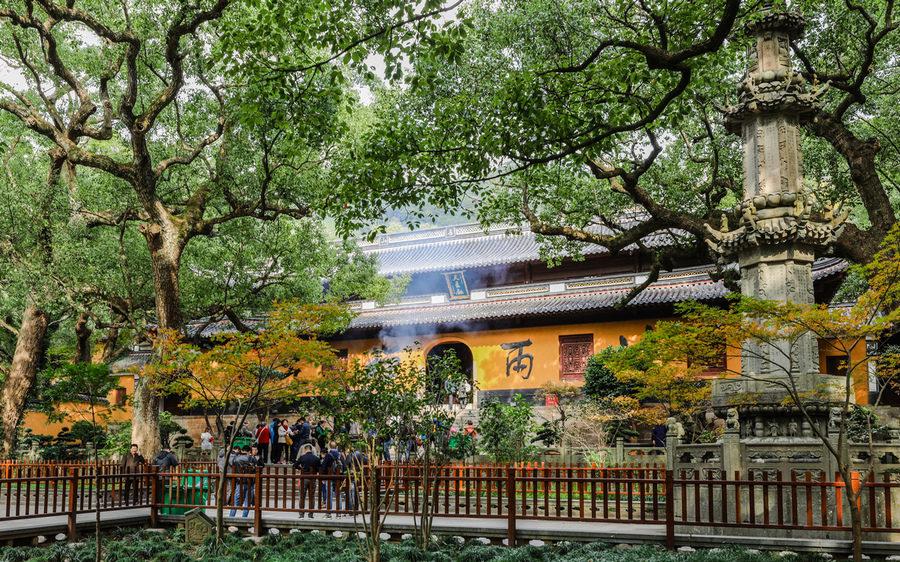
(574, 352)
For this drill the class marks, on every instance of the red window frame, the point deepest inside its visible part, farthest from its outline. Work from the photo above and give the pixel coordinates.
(574, 352)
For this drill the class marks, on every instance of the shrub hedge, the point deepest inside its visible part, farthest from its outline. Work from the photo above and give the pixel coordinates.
(129, 545)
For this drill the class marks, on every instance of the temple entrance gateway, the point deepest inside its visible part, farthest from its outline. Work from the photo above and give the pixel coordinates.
(436, 383)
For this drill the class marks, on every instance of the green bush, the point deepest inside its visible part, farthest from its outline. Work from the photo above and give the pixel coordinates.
(142, 546)
(508, 430)
(599, 381)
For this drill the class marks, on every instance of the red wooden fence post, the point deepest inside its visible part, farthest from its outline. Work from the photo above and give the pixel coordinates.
(511, 506)
(257, 505)
(670, 511)
(154, 494)
(73, 513)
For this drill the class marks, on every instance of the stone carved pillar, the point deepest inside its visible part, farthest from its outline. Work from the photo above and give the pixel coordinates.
(772, 237)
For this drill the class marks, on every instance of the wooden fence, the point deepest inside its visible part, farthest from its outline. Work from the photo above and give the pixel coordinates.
(635, 495)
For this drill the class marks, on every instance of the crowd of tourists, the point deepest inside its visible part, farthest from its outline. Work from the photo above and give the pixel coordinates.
(281, 442)
(303, 445)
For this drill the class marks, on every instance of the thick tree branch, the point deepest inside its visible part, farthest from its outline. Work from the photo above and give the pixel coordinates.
(860, 157)
(201, 146)
(659, 57)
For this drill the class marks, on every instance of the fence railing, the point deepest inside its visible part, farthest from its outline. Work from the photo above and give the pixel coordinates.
(26, 469)
(635, 495)
(796, 501)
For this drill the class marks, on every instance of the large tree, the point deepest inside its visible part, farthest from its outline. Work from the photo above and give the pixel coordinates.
(197, 113)
(593, 122)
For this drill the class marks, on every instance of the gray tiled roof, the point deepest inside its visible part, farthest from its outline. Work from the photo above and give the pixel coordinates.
(465, 246)
(223, 326)
(131, 363)
(677, 287)
(466, 311)
(827, 267)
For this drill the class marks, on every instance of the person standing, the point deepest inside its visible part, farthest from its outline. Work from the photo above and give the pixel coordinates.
(463, 394)
(295, 437)
(284, 440)
(334, 466)
(229, 431)
(263, 437)
(276, 444)
(220, 462)
(303, 432)
(132, 463)
(321, 435)
(385, 451)
(309, 465)
(356, 463)
(255, 456)
(302, 436)
(406, 440)
(165, 461)
(244, 491)
(206, 439)
(450, 389)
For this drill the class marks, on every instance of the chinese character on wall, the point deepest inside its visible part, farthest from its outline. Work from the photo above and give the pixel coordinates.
(519, 362)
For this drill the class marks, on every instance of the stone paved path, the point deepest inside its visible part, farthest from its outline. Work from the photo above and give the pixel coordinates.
(24, 530)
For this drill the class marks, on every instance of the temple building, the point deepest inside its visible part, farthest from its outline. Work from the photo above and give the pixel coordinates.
(515, 322)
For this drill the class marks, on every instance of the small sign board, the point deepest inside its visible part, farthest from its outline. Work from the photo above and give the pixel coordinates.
(872, 348)
(456, 282)
(197, 526)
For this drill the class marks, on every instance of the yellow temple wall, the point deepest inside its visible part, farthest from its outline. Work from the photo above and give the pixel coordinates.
(490, 360)
(77, 411)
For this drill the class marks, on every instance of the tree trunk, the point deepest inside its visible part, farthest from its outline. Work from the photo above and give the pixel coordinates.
(145, 418)
(165, 254)
(220, 496)
(166, 246)
(855, 526)
(109, 347)
(858, 245)
(82, 340)
(22, 373)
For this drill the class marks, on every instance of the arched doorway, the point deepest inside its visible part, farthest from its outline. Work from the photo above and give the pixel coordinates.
(435, 381)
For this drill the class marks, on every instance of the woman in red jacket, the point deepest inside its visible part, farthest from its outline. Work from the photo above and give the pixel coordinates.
(263, 437)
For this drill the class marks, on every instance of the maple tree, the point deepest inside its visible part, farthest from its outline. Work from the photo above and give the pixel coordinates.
(562, 396)
(386, 397)
(600, 421)
(245, 368)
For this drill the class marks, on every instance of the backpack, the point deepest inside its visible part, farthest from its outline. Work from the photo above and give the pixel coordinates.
(338, 466)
